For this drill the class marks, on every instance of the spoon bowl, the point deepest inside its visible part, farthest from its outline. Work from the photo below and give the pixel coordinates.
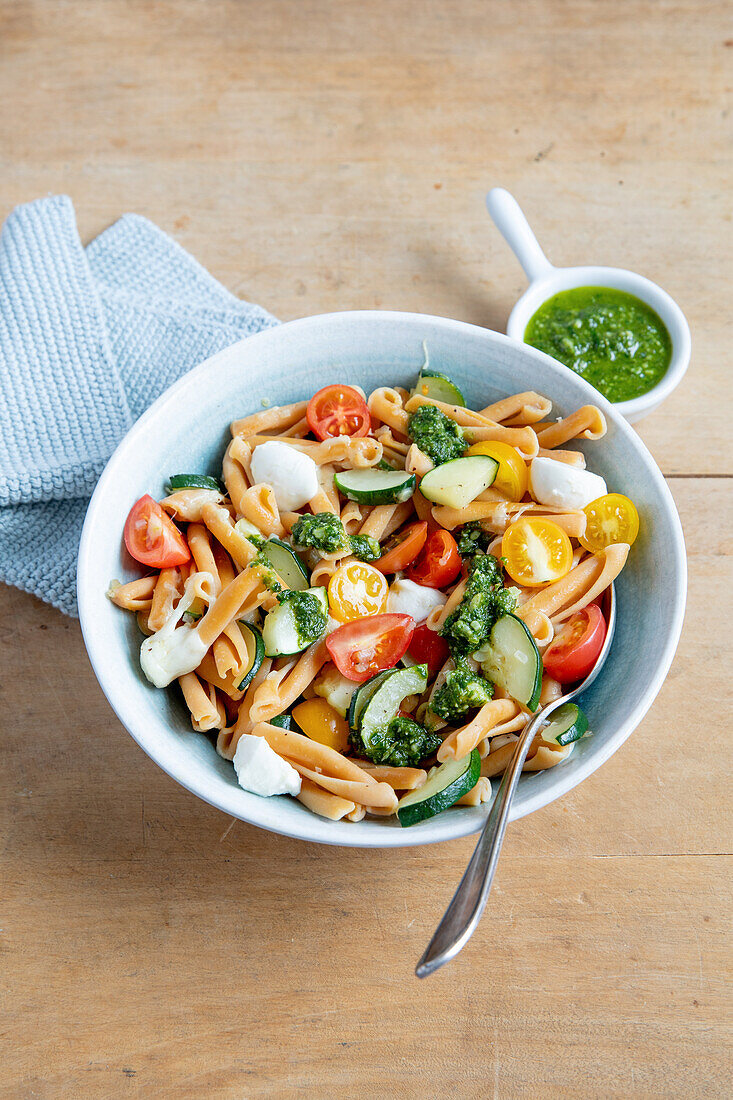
(464, 912)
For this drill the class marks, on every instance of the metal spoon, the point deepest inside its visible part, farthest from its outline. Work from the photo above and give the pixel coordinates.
(464, 912)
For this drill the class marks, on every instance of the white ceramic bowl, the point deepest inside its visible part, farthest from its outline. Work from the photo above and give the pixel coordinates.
(546, 280)
(187, 430)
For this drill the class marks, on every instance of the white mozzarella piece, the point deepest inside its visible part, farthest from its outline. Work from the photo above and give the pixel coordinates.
(563, 486)
(407, 598)
(171, 652)
(260, 770)
(292, 475)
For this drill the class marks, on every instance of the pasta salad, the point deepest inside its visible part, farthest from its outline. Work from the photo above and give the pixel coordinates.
(368, 606)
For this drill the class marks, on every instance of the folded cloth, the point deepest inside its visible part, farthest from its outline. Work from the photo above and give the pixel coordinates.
(88, 339)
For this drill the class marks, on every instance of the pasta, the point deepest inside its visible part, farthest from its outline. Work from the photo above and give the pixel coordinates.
(305, 589)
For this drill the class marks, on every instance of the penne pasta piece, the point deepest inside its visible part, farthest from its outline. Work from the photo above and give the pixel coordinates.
(370, 795)
(462, 416)
(401, 779)
(357, 451)
(279, 691)
(478, 794)
(167, 592)
(221, 525)
(461, 742)
(352, 517)
(237, 471)
(519, 409)
(417, 462)
(496, 516)
(587, 422)
(524, 440)
(386, 405)
(136, 595)
(327, 497)
(206, 712)
(357, 814)
(401, 513)
(298, 747)
(437, 617)
(324, 803)
(274, 419)
(200, 545)
(228, 602)
(258, 506)
(228, 739)
(503, 729)
(142, 622)
(613, 559)
(571, 458)
(551, 690)
(297, 430)
(186, 504)
(208, 671)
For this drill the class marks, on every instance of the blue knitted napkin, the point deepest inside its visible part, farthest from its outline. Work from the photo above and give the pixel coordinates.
(88, 339)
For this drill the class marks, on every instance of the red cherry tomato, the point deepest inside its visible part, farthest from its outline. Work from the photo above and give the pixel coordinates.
(337, 410)
(438, 563)
(428, 648)
(362, 648)
(152, 537)
(402, 548)
(574, 651)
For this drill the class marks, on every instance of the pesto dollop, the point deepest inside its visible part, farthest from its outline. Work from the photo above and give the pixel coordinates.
(612, 339)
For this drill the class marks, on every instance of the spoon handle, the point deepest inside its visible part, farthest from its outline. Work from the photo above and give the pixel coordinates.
(464, 911)
(514, 227)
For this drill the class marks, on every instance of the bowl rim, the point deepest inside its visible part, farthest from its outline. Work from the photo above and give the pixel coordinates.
(558, 279)
(315, 828)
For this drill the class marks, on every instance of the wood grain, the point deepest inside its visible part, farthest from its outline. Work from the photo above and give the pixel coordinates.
(318, 156)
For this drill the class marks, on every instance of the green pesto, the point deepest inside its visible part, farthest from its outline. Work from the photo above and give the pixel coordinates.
(472, 538)
(402, 743)
(462, 691)
(436, 434)
(323, 531)
(484, 601)
(365, 547)
(310, 621)
(611, 338)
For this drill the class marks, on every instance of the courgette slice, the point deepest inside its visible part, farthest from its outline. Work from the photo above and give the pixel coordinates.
(446, 785)
(438, 387)
(193, 481)
(286, 563)
(512, 661)
(372, 486)
(255, 652)
(361, 697)
(566, 725)
(384, 703)
(458, 482)
(283, 721)
(283, 633)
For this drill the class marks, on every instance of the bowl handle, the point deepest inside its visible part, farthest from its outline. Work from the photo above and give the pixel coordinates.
(514, 227)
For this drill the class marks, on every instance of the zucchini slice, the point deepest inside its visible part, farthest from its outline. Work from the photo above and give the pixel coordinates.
(566, 725)
(361, 697)
(372, 486)
(438, 387)
(458, 482)
(448, 783)
(281, 720)
(255, 652)
(286, 563)
(384, 702)
(283, 634)
(193, 481)
(513, 661)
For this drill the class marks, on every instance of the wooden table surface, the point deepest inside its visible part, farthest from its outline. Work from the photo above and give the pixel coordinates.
(319, 156)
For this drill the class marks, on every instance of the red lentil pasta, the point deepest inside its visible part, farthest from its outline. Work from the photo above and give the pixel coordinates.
(414, 576)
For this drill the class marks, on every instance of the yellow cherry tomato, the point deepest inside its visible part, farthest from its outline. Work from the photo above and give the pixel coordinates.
(610, 518)
(319, 721)
(537, 551)
(511, 477)
(355, 590)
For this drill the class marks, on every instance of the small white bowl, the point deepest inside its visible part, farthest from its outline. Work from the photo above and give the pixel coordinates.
(546, 280)
(186, 430)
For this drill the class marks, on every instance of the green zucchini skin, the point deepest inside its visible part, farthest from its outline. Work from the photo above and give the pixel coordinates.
(286, 563)
(259, 655)
(456, 483)
(193, 481)
(372, 486)
(438, 387)
(449, 783)
(521, 679)
(567, 724)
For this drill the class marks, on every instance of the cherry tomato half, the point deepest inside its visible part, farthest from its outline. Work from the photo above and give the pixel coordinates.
(403, 548)
(355, 590)
(337, 410)
(512, 477)
(536, 551)
(152, 537)
(610, 518)
(438, 563)
(428, 648)
(574, 651)
(364, 647)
